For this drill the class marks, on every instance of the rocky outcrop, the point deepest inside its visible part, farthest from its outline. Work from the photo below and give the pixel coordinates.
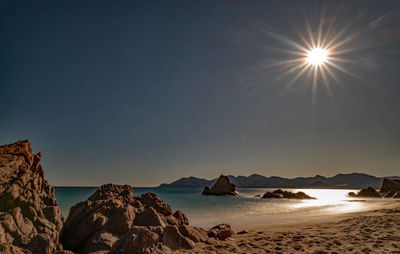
(112, 220)
(222, 187)
(286, 194)
(390, 188)
(365, 193)
(30, 219)
(115, 220)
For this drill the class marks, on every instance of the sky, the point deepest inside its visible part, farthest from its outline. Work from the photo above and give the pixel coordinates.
(146, 92)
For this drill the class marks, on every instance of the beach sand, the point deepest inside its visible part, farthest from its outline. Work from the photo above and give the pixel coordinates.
(366, 232)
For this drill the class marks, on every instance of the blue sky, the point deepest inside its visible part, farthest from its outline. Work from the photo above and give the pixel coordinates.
(147, 92)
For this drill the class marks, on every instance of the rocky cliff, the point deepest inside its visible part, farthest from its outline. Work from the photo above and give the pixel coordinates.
(30, 219)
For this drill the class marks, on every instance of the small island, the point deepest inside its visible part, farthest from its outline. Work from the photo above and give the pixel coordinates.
(223, 186)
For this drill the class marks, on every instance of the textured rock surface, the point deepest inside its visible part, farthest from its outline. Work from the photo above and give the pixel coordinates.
(30, 219)
(221, 231)
(115, 220)
(222, 187)
(286, 194)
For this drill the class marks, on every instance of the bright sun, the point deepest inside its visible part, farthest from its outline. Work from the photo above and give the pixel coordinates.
(317, 56)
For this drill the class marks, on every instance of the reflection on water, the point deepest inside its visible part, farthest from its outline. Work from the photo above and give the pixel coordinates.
(245, 209)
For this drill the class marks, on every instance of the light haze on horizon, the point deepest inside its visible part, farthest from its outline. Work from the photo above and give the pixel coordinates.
(145, 93)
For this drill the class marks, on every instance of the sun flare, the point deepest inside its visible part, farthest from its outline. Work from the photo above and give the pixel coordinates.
(317, 56)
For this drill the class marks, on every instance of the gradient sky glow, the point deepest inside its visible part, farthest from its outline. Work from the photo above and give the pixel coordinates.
(147, 92)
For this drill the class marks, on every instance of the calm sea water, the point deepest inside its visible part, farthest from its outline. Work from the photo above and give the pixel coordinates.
(242, 210)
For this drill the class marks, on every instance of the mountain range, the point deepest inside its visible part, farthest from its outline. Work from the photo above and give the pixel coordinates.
(344, 181)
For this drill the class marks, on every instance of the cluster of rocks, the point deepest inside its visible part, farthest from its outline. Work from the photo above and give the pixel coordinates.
(389, 189)
(286, 194)
(115, 220)
(222, 186)
(112, 220)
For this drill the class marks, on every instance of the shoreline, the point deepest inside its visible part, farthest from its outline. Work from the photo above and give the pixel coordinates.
(323, 218)
(376, 231)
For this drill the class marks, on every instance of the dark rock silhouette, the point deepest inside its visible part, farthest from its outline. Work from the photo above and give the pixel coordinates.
(30, 219)
(222, 187)
(365, 193)
(286, 194)
(390, 188)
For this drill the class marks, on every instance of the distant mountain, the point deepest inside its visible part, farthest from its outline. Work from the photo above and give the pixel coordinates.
(190, 182)
(352, 181)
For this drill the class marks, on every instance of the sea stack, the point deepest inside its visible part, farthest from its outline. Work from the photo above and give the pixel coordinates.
(30, 219)
(221, 187)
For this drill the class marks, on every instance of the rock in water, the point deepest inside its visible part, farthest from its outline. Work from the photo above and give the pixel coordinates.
(365, 193)
(286, 194)
(115, 220)
(30, 219)
(222, 187)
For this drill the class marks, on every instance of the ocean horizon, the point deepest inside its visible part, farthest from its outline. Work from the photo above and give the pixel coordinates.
(244, 210)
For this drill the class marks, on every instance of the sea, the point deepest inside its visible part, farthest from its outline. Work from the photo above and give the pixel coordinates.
(244, 210)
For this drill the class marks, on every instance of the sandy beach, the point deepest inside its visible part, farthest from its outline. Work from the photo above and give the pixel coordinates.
(376, 231)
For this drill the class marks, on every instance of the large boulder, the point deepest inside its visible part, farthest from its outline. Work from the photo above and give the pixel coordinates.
(222, 187)
(365, 193)
(30, 219)
(390, 188)
(286, 194)
(115, 220)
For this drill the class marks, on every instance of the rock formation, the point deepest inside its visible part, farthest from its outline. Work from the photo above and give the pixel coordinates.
(115, 220)
(286, 194)
(390, 188)
(30, 219)
(112, 220)
(222, 187)
(365, 193)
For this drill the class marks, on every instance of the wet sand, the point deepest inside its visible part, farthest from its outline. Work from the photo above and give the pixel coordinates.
(365, 232)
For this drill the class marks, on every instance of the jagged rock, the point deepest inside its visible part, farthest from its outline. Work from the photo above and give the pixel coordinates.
(196, 234)
(175, 240)
(30, 219)
(222, 187)
(221, 231)
(389, 187)
(115, 220)
(149, 217)
(181, 218)
(286, 194)
(366, 193)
